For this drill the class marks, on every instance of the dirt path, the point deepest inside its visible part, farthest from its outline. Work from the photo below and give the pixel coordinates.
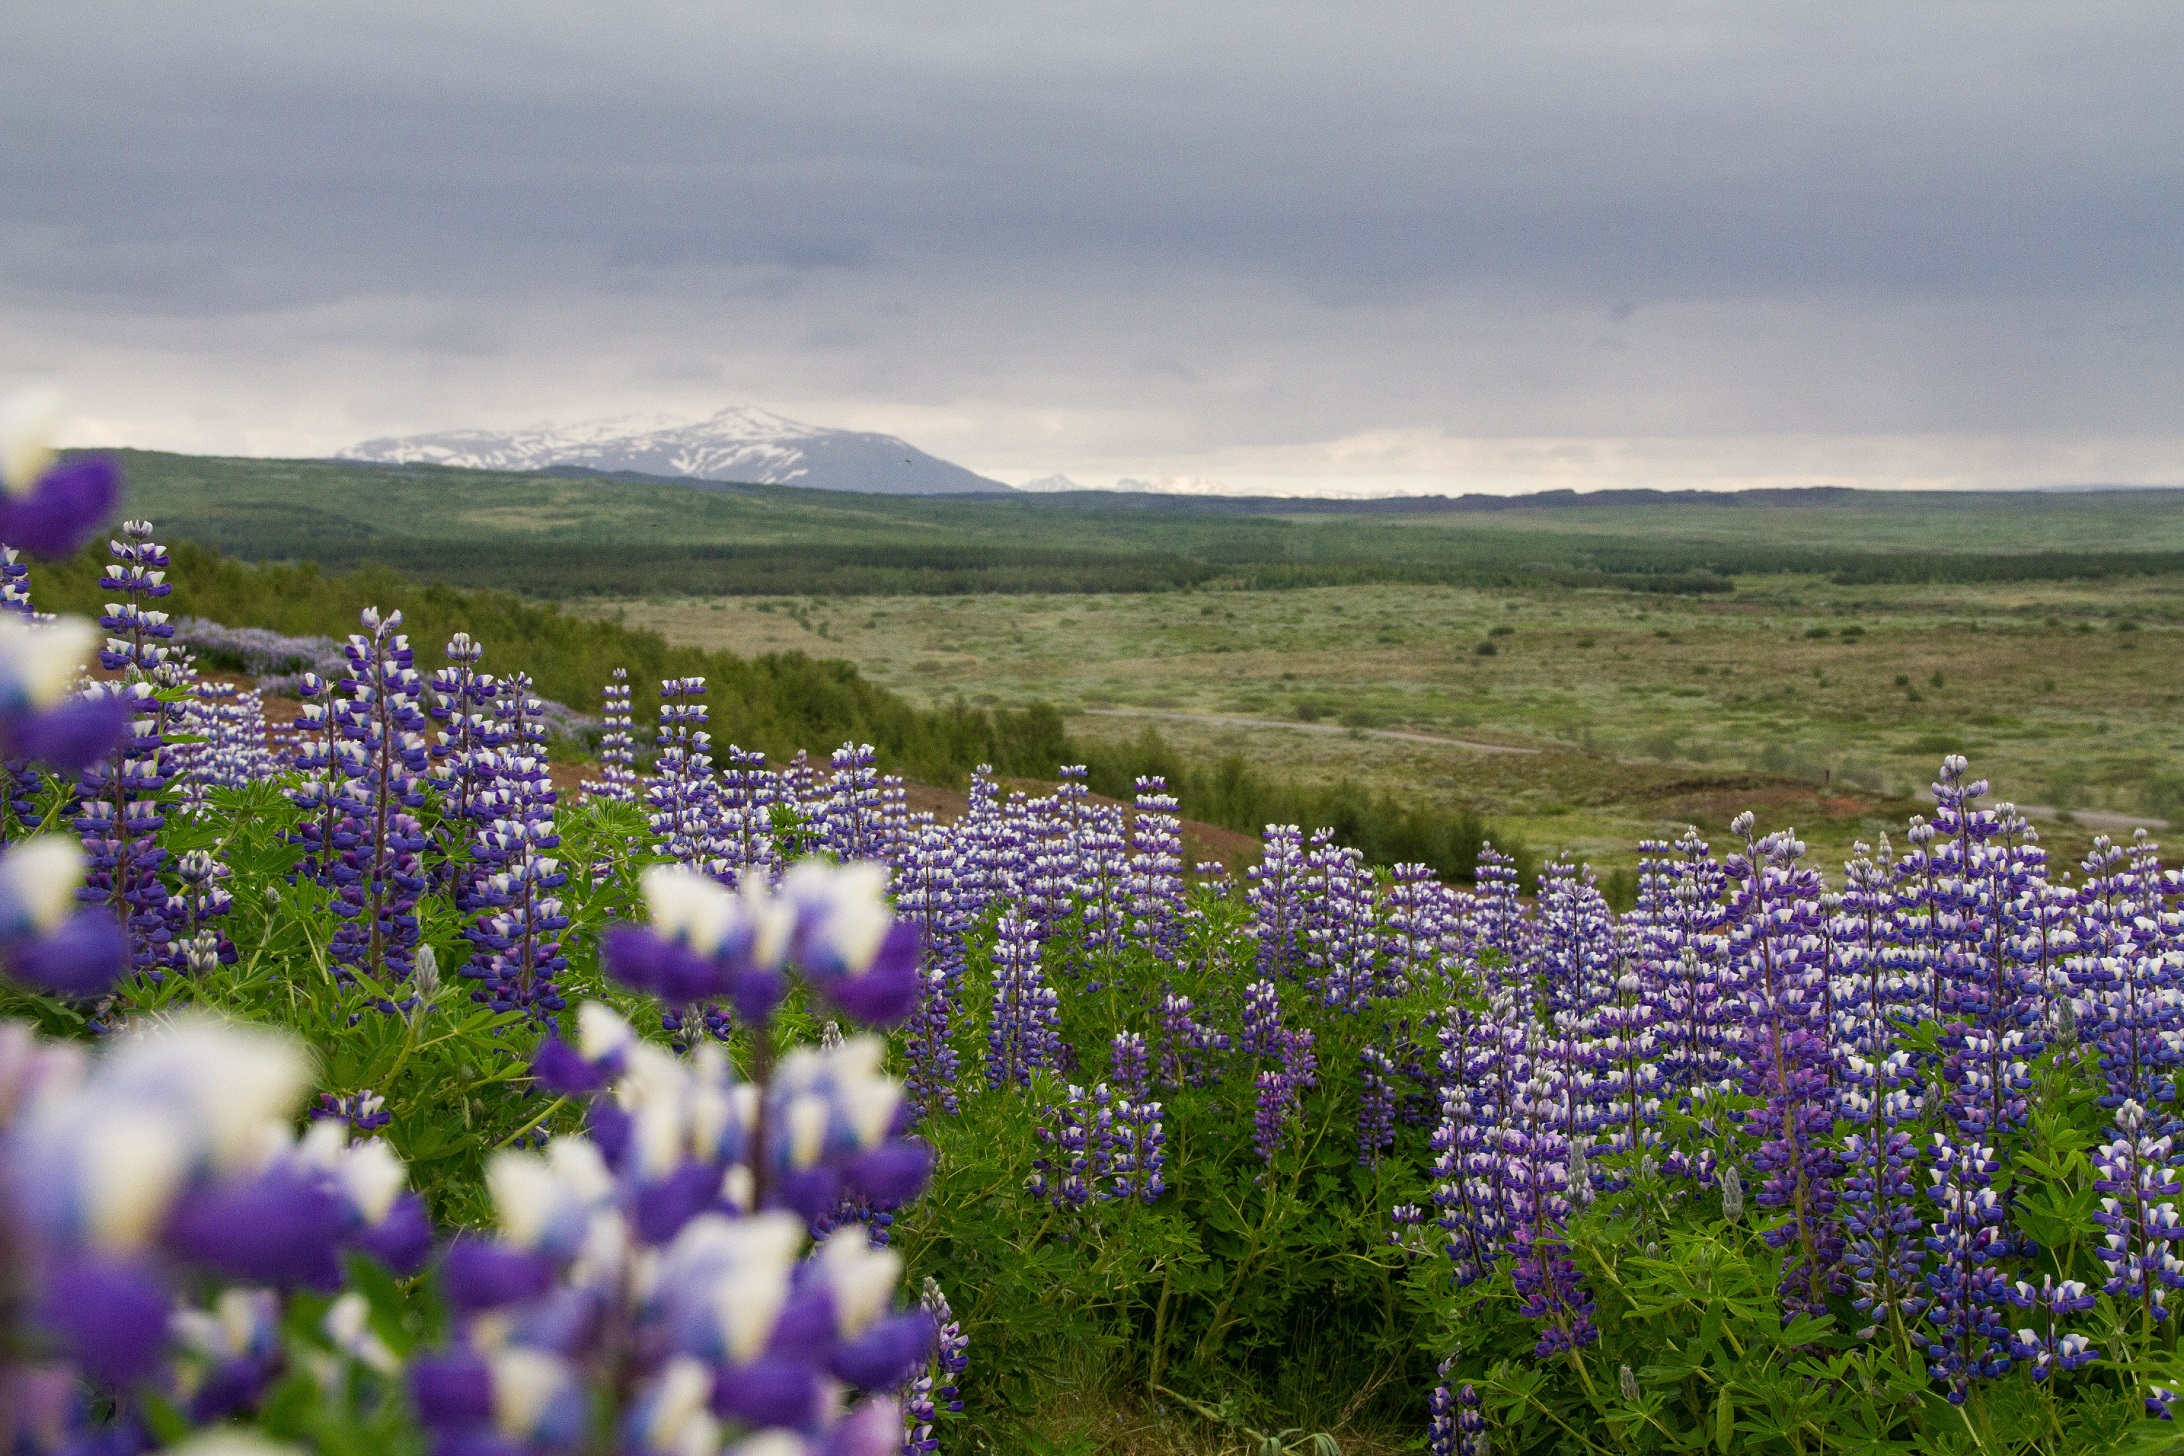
(2102, 821)
(1236, 722)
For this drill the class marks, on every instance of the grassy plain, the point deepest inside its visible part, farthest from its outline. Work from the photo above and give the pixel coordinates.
(1866, 635)
(1823, 705)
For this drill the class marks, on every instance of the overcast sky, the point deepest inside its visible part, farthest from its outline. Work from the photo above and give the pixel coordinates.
(1344, 246)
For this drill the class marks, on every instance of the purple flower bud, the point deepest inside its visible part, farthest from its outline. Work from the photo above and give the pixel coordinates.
(769, 1391)
(562, 1070)
(481, 1274)
(109, 1317)
(452, 1390)
(280, 1227)
(874, 1428)
(887, 1354)
(70, 736)
(63, 509)
(888, 992)
(402, 1240)
(79, 960)
(892, 1173)
(663, 1208)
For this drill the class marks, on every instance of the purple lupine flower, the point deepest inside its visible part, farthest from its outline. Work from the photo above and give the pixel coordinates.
(379, 871)
(1262, 1033)
(1276, 894)
(2135, 1180)
(198, 903)
(362, 1112)
(1300, 1059)
(1375, 1106)
(934, 1392)
(680, 791)
(119, 816)
(1499, 933)
(849, 821)
(516, 949)
(1441, 1437)
(122, 805)
(14, 583)
(830, 923)
(1884, 1252)
(42, 944)
(2044, 1346)
(1103, 881)
(617, 781)
(1081, 1131)
(1273, 1109)
(463, 701)
(1485, 1059)
(1459, 1426)
(1021, 1034)
(213, 1187)
(928, 895)
(1970, 1337)
(1626, 1061)
(1682, 965)
(711, 1186)
(1186, 1046)
(743, 813)
(1573, 940)
(1155, 872)
(48, 508)
(42, 716)
(315, 755)
(232, 752)
(1418, 943)
(1141, 1155)
(1341, 936)
(1773, 915)
(1129, 1065)
(1534, 1162)
(2125, 981)
(1980, 875)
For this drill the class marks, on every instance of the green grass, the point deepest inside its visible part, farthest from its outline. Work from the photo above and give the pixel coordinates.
(1646, 712)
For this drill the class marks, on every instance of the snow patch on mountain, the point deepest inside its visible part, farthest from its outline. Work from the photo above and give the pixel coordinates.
(1181, 485)
(743, 445)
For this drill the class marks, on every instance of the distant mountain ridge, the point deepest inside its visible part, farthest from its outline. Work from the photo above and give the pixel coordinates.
(739, 444)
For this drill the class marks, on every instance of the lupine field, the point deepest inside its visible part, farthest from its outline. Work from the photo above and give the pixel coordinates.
(365, 1091)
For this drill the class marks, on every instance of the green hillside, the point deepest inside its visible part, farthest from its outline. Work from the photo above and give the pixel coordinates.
(554, 536)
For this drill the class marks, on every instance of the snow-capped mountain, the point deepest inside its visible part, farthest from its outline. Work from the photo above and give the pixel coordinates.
(1048, 484)
(745, 445)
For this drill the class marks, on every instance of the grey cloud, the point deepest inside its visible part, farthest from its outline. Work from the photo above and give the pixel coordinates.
(1510, 216)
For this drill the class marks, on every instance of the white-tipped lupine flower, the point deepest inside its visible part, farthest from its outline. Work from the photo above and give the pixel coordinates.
(546, 1203)
(28, 423)
(861, 1278)
(537, 1397)
(228, 1082)
(348, 1328)
(674, 1420)
(687, 906)
(40, 661)
(842, 914)
(733, 1274)
(38, 883)
(601, 1031)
